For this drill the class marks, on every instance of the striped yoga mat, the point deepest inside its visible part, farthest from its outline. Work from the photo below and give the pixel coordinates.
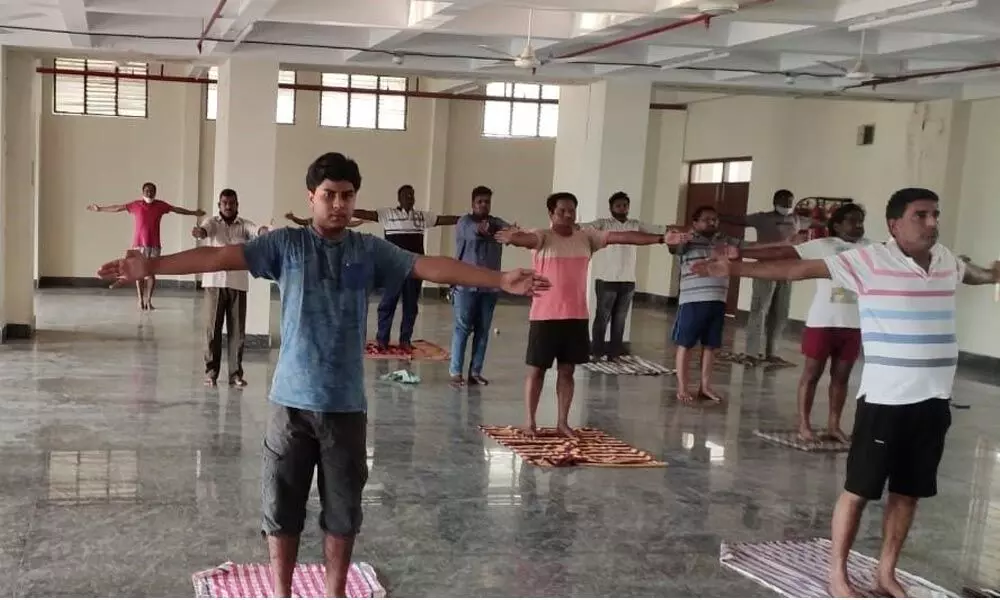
(422, 350)
(591, 448)
(799, 569)
(745, 359)
(980, 592)
(790, 438)
(628, 365)
(231, 580)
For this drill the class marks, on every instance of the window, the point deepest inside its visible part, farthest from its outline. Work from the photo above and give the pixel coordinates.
(730, 171)
(105, 95)
(285, 111)
(506, 118)
(362, 106)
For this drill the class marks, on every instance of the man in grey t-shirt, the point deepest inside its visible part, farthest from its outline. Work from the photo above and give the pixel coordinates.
(771, 299)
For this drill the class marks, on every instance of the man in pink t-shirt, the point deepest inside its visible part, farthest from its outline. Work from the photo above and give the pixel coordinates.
(559, 320)
(147, 213)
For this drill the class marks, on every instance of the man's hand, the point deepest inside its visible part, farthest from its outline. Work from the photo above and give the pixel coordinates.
(675, 238)
(995, 268)
(964, 258)
(524, 282)
(483, 228)
(717, 266)
(126, 270)
(93, 207)
(199, 233)
(504, 236)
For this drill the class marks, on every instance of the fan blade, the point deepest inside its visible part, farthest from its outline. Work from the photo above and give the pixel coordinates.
(834, 66)
(495, 51)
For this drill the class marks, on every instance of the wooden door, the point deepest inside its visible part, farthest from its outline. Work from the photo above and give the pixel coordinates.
(733, 201)
(701, 194)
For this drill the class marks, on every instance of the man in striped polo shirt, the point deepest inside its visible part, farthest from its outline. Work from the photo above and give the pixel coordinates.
(404, 226)
(906, 298)
(701, 311)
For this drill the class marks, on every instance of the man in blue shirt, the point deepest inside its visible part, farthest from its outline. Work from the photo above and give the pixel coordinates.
(474, 306)
(318, 409)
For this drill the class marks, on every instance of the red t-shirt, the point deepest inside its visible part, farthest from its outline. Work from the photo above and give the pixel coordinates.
(147, 217)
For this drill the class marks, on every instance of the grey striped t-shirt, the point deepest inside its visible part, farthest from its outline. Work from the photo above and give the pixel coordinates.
(693, 287)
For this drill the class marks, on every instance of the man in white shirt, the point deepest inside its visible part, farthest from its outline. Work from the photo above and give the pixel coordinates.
(614, 283)
(833, 325)
(404, 226)
(226, 291)
(906, 298)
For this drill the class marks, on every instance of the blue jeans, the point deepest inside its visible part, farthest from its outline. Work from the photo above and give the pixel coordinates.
(409, 292)
(473, 314)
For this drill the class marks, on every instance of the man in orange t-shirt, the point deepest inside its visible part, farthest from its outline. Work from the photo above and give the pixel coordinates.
(147, 212)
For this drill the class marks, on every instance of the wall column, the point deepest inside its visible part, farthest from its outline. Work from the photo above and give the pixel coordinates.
(601, 149)
(245, 154)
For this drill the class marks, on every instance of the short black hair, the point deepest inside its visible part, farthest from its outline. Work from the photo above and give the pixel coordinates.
(783, 195)
(229, 193)
(335, 167)
(554, 199)
(148, 184)
(405, 186)
(898, 202)
(698, 212)
(481, 190)
(841, 214)
(618, 196)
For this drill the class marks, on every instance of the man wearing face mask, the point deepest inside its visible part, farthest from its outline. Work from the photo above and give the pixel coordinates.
(771, 299)
(147, 212)
(226, 291)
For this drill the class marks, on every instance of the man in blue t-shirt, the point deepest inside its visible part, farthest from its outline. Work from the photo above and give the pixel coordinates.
(318, 409)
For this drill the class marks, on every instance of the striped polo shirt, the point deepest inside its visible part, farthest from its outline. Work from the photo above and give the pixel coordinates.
(907, 320)
(695, 288)
(406, 228)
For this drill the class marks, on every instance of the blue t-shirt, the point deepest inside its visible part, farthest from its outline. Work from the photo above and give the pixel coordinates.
(324, 286)
(479, 250)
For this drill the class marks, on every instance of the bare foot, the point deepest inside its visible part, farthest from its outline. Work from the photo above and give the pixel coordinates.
(149, 306)
(565, 430)
(806, 433)
(530, 430)
(457, 381)
(706, 391)
(837, 435)
(887, 585)
(685, 397)
(840, 586)
(210, 381)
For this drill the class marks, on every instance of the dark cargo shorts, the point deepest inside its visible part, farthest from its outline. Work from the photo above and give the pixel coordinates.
(299, 442)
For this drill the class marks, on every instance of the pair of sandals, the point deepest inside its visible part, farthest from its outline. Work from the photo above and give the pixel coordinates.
(236, 382)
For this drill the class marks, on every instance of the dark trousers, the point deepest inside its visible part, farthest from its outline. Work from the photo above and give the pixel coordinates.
(225, 304)
(409, 293)
(614, 298)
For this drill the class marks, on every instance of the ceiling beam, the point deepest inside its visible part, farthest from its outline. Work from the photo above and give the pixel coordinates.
(237, 25)
(74, 13)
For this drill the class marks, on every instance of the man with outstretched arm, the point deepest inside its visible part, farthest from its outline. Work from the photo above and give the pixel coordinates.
(559, 319)
(318, 408)
(906, 298)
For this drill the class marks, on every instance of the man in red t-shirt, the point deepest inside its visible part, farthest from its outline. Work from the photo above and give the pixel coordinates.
(147, 213)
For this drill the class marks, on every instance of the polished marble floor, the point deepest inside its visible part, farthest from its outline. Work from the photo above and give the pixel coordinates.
(121, 474)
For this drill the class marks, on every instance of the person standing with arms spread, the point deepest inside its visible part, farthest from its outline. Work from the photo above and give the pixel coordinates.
(147, 213)
(318, 420)
(771, 300)
(559, 320)
(615, 285)
(404, 226)
(474, 307)
(226, 291)
(833, 325)
(906, 297)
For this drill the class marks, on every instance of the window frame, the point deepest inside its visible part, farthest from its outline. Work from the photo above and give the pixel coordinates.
(377, 91)
(116, 76)
(509, 99)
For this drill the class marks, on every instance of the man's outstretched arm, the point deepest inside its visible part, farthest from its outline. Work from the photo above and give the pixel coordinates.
(108, 208)
(445, 220)
(976, 275)
(206, 259)
(365, 215)
(516, 237)
(189, 213)
(776, 270)
(672, 237)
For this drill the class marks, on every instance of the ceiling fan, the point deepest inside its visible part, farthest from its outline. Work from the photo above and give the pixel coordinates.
(526, 58)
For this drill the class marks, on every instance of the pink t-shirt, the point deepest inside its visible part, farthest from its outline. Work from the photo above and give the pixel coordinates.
(147, 217)
(564, 260)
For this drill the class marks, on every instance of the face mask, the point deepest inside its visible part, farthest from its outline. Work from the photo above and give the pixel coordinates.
(783, 210)
(147, 199)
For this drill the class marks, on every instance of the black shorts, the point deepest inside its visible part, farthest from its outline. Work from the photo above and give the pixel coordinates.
(299, 442)
(565, 340)
(899, 444)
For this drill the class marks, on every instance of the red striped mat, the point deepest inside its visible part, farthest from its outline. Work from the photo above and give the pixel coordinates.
(231, 580)
(799, 569)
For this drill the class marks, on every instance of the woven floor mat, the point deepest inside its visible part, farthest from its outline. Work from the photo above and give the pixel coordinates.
(628, 365)
(231, 580)
(790, 438)
(422, 350)
(591, 448)
(740, 358)
(980, 592)
(799, 569)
